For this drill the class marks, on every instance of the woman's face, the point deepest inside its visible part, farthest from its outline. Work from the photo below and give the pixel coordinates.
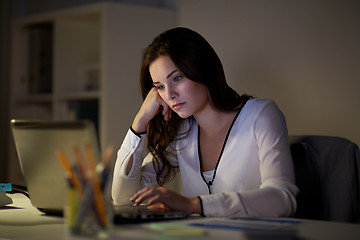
(184, 96)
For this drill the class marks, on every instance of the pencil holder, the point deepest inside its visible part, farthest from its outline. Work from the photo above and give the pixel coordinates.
(88, 208)
(89, 212)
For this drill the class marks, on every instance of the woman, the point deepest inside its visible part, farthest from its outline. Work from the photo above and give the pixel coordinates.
(231, 150)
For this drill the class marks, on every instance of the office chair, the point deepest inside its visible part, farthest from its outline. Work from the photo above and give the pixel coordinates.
(327, 173)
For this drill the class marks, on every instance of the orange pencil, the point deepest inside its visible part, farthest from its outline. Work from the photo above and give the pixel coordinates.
(80, 162)
(98, 195)
(73, 177)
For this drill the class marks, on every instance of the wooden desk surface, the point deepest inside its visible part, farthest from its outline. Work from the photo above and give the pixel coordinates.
(21, 220)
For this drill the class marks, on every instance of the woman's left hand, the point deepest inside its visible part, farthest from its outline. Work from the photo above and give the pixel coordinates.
(168, 200)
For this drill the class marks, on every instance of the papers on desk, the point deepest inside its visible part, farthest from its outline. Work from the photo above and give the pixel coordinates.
(247, 224)
(252, 228)
(177, 229)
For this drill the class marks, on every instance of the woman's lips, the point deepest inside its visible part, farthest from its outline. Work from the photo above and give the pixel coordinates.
(177, 106)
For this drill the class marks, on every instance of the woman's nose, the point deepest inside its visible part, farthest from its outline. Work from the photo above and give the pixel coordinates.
(171, 93)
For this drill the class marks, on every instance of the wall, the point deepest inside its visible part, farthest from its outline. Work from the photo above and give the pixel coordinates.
(302, 54)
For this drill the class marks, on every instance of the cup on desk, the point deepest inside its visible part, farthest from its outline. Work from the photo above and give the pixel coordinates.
(86, 214)
(88, 209)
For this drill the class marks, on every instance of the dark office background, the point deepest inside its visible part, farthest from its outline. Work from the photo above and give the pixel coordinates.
(303, 54)
(10, 9)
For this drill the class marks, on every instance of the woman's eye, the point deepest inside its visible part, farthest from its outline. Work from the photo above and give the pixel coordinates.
(177, 78)
(159, 87)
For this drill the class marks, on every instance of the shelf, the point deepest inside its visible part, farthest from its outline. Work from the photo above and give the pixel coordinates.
(46, 98)
(35, 98)
(78, 96)
(94, 56)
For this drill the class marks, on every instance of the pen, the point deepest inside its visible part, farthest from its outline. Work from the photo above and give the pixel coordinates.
(98, 196)
(73, 176)
(84, 206)
(103, 167)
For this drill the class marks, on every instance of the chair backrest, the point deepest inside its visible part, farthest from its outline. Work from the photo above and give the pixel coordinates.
(327, 173)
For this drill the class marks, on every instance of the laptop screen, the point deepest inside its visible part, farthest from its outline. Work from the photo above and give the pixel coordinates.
(36, 143)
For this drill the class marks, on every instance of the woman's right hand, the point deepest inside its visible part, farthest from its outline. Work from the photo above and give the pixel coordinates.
(150, 107)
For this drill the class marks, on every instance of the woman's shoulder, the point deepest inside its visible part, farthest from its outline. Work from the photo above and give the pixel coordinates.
(257, 104)
(259, 108)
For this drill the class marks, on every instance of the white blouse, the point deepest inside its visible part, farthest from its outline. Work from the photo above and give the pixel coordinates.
(254, 176)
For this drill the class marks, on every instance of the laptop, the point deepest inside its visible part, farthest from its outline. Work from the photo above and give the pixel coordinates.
(37, 141)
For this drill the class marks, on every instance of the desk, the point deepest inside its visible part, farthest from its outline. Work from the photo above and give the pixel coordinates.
(20, 221)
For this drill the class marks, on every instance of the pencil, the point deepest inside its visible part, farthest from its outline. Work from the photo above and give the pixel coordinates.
(80, 162)
(98, 195)
(66, 165)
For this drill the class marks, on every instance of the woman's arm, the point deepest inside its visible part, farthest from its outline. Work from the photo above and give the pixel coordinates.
(263, 202)
(126, 179)
(128, 170)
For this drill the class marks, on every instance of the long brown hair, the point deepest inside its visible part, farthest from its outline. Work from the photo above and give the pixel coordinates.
(198, 61)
